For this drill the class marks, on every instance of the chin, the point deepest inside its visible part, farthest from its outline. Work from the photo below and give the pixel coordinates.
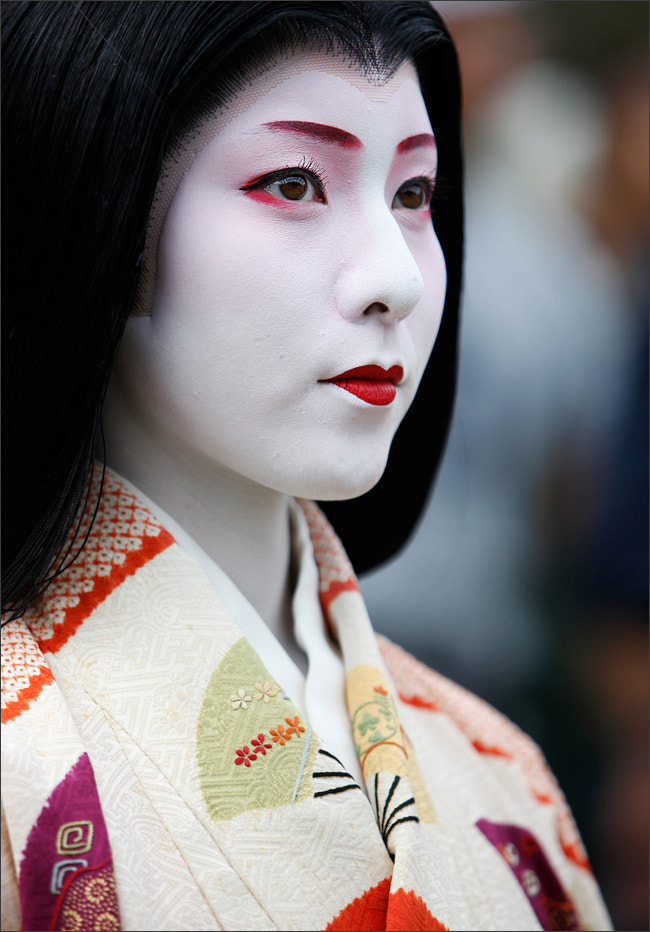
(341, 483)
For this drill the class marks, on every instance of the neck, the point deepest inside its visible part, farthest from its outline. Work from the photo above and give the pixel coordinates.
(243, 526)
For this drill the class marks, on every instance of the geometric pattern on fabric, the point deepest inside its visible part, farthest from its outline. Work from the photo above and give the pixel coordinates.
(89, 902)
(253, 749)
(68, 840)
(334, 568)
(124, 537)
(24, 669)
(489, 732)
(524, 855)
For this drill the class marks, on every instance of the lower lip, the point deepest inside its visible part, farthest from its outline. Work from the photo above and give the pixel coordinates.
(373, 391)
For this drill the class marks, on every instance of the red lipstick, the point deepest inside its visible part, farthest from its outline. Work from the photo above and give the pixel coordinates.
(372, 384)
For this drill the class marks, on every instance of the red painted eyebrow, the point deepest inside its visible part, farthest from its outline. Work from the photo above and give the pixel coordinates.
(316, 131)
(422, 140)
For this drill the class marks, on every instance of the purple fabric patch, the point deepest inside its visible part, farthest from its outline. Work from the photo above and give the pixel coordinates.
(69, 836)
(525, 857)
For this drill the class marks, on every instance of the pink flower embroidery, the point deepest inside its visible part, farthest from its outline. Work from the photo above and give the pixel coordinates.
(258, 745)
(245, 755)
(294, 726)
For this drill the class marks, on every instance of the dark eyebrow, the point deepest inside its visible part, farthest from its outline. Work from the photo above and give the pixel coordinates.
(317, 131)
(425, 140)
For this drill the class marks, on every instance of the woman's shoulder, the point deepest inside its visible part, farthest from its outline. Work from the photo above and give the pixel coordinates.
(421, 687)
(499, 742)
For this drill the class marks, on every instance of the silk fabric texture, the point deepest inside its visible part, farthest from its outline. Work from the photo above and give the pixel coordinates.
(157, 776)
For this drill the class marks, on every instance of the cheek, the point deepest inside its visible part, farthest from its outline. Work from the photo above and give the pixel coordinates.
(241, 307)
(220, 256)
(427, 317)
(205, 254)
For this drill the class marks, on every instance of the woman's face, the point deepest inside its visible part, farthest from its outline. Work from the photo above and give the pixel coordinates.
(298, 246)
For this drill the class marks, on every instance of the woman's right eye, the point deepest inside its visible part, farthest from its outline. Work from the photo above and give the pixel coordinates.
(296, 188)
(291, 185)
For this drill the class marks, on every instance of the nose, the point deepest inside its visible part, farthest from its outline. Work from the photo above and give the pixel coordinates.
(380, 275)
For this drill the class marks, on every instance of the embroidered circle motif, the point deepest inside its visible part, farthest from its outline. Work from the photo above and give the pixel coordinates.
(90, 903)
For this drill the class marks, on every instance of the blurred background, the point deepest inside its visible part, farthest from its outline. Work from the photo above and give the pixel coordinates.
(527, 578)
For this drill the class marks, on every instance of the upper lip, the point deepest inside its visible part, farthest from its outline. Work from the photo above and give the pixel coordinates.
(373, 373)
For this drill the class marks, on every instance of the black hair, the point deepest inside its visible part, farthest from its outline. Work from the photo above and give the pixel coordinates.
(94, 93)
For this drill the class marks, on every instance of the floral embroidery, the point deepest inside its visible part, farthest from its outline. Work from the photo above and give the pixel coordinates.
(241, 700)
(368, 722)
(266, 691)
(278, 735)
(259, 746)
(245, 755)
(374, 721)
(294, 726)
(384, 703)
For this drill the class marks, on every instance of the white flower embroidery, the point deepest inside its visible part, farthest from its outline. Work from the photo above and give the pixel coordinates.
(241, 700)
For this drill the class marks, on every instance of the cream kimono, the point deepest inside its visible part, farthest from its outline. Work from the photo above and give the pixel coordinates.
(156, 775)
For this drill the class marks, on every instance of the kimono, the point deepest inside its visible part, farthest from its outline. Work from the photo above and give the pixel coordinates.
(157, 775)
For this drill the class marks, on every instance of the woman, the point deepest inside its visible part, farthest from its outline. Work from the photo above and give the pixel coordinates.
(227, 209)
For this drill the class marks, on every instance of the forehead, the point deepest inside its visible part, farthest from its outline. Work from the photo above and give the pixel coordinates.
(378, 85)
(304, 79)
(337, 96)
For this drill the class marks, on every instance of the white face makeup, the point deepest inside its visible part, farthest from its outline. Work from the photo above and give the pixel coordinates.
(298, 246)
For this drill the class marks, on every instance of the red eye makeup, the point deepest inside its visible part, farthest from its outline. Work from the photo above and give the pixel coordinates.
(287, 186)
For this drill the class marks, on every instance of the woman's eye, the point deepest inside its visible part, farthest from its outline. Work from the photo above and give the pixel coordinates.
(293, 188)
(414, 195)
(293, 185)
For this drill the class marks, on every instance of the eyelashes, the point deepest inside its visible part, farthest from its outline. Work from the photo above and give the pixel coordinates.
(415, 194)
(307, 183)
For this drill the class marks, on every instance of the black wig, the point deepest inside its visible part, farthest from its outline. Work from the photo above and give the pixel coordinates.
(94, 94)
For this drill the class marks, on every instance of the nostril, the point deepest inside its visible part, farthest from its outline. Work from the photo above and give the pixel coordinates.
(376, 306)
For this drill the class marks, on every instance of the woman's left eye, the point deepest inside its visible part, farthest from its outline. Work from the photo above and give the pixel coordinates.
(414, 195)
